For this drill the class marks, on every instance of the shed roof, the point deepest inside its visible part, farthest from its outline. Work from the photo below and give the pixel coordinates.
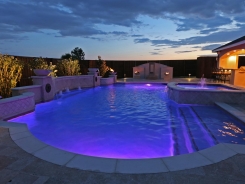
(236, 42)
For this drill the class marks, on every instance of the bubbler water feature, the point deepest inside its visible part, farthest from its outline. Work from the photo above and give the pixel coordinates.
(202, 82)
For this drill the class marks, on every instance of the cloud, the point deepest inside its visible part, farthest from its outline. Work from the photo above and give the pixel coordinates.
(119, 33)
(185, 51)
(186, 24)
(155, 53)
(94, 38)
(80, 18)
(222, 37)
(137, 35)
(142, 40)
(9, 36)
(196, 47)
(211, 47)
(208, 31)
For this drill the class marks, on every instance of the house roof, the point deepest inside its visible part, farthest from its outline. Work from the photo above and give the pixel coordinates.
(236, 42)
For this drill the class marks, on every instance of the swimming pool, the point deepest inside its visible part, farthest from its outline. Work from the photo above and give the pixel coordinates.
(130, 121)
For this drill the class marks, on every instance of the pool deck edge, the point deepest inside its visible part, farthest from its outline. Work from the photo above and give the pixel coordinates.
(25, 140)
(231, 110)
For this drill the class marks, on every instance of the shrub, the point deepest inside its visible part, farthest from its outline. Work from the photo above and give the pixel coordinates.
(68, 67)
(77, 54)
(10, 74)
(101, 64)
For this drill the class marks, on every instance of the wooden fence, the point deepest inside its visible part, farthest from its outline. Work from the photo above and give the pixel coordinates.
(181, 68)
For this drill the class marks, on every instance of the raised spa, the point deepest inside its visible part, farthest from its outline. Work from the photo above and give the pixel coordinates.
(193, 93)
(217, 87)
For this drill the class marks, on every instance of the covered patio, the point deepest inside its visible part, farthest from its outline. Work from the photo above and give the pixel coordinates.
(227, 62)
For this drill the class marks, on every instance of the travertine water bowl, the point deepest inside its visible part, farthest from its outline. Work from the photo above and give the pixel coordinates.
(42, 72)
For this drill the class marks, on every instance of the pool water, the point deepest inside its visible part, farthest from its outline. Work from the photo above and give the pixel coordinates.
(131, 121)
(209, 87)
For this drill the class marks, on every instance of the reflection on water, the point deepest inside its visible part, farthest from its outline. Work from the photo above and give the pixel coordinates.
(231, 129)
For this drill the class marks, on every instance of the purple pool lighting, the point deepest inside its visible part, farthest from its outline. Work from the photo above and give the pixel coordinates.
(206, 86)
(132, 121)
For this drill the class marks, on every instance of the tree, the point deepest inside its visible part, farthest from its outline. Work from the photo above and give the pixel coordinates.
(76, 54)
(66, 56)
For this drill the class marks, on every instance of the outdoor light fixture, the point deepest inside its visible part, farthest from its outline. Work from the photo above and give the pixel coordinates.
(136, 72)
(228, 54)
(189, 75)
(232, 59)
(166, 73)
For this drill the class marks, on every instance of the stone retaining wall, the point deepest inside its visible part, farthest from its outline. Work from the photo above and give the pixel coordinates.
(17, 105)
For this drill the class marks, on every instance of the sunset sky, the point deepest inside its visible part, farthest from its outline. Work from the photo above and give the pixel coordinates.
(119, 29)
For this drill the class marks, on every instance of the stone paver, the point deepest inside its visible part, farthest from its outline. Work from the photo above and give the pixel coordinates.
(22, 167)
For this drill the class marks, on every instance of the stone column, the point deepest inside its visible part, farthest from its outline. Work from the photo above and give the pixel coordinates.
(47, 89)
(94, 72)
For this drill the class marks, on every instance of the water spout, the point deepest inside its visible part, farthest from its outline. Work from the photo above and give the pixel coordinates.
(60, 93)
(203, 81)
(79, 88)
(67, 90)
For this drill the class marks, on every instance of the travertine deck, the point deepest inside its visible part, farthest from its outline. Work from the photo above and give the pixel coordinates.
(25, 140)
(18, 166)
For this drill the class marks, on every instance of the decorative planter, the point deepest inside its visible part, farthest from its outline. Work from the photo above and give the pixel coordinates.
(113, 73)
(42, 72)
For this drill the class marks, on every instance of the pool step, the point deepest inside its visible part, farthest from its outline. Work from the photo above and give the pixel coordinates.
(233, 109)
(197, 128)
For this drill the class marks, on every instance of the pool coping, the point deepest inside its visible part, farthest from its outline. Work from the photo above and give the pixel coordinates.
(233, 111)
(25, 140)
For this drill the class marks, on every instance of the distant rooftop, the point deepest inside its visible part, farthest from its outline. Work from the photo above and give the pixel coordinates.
(236, 42)
(209, 55)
